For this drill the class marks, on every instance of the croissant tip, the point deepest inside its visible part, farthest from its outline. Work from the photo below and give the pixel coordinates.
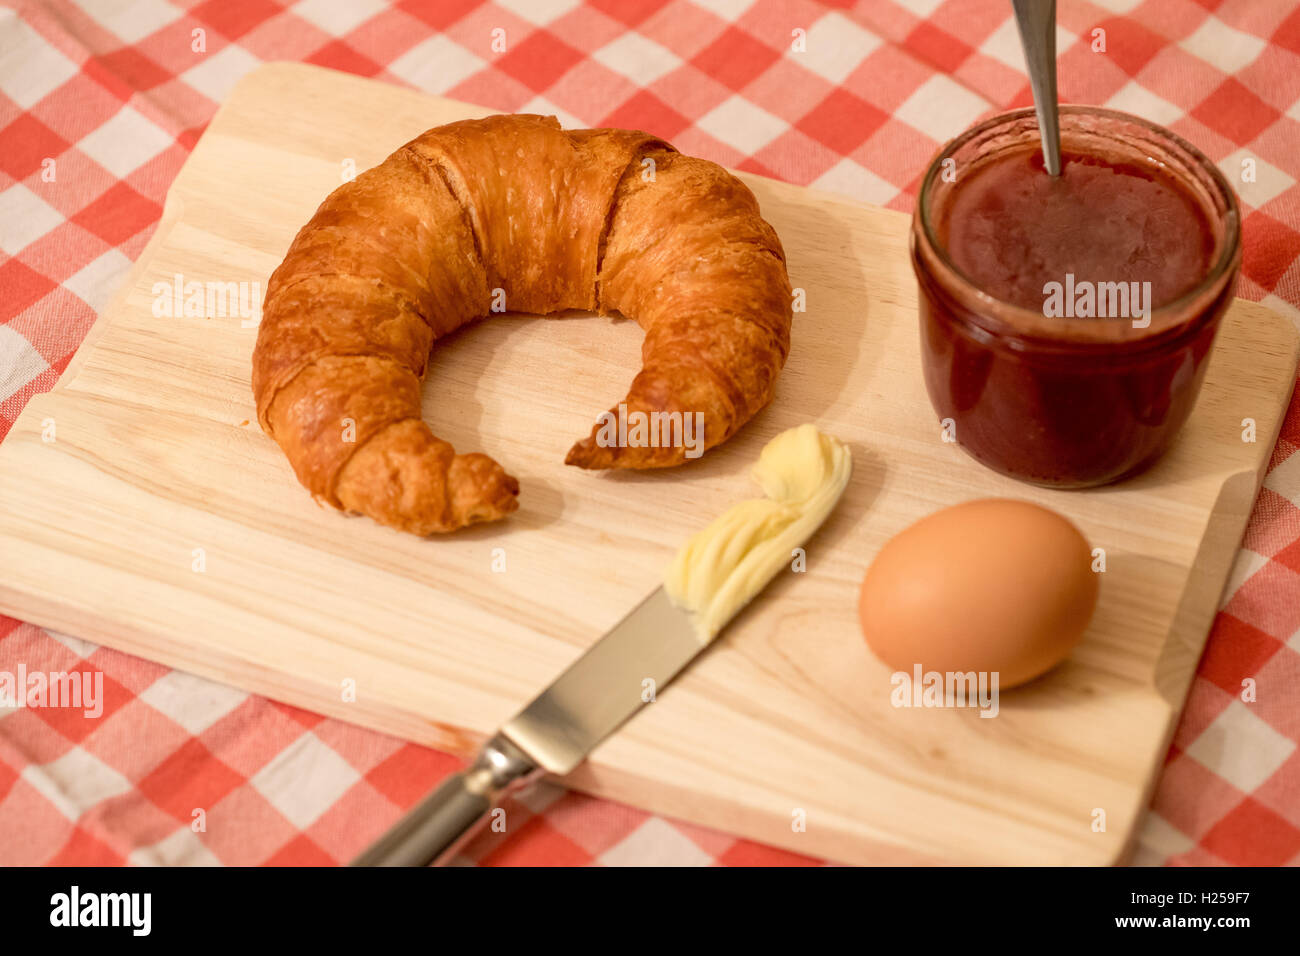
(501, 498)
(583, 455)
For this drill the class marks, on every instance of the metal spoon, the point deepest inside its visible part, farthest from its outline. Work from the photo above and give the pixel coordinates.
(1036, 20)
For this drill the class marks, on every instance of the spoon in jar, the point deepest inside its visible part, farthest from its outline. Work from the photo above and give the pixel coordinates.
(1036, 20)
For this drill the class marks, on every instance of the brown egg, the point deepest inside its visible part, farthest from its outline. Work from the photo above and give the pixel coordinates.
(988, 585)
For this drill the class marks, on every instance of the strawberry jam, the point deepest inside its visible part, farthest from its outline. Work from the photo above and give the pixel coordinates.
(1066, 321)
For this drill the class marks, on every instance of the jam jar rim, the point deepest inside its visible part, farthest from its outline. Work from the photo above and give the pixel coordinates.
(1018, 321)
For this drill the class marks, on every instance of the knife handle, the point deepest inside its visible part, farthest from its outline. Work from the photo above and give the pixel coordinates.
(443, 821)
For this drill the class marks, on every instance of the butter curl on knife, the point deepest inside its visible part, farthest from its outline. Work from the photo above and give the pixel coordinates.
(803, 472)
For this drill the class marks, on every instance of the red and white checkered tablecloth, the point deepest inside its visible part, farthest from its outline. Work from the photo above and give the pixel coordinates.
(101, 101)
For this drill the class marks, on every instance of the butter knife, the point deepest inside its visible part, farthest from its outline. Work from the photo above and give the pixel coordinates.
(553, 734)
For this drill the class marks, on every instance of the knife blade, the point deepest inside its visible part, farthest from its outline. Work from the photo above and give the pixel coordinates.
(606, 685)
(554, 733)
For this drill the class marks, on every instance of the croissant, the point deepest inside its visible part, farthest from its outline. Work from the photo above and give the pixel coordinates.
(511, 211)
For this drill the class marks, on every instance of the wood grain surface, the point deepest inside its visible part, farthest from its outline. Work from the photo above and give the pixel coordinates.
(155, 454)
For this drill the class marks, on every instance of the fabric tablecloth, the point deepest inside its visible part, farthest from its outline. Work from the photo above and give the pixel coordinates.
(100, 102)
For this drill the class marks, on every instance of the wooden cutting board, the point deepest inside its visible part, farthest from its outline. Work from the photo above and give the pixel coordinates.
(158, 520)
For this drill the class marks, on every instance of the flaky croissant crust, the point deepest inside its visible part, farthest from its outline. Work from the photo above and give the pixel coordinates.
(608, 220)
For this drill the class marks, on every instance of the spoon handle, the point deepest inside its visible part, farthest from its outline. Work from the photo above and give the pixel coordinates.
(1036, 20)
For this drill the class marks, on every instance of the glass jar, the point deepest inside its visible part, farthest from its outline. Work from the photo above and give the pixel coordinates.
(1053, 400)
